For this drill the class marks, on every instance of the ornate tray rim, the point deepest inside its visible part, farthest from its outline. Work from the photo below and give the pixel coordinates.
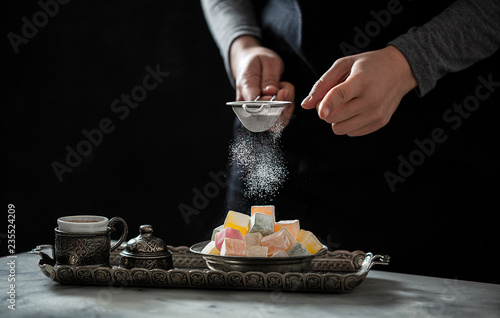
(190, 271)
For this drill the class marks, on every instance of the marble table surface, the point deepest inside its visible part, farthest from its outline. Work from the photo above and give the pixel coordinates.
(382, 294)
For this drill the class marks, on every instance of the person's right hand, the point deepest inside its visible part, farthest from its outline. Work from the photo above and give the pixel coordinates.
(359, 93)
(257, 71)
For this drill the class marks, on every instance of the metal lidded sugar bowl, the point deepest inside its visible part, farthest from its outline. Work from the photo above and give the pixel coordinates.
(146, 251)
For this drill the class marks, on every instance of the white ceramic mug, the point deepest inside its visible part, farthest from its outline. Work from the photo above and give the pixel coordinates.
(83, 223)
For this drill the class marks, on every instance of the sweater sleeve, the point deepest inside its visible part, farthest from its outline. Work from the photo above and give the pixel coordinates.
(227, 20)
(464, 33)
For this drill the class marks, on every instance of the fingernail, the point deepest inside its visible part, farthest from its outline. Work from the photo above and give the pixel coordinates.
(269, 88)
(308, 98)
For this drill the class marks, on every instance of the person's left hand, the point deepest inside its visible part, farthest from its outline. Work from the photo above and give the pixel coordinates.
(359, 93)
(286, 92)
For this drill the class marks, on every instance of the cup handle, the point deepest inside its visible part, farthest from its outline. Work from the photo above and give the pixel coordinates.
(111, 226)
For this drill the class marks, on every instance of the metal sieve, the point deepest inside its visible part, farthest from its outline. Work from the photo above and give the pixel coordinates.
(258, 116)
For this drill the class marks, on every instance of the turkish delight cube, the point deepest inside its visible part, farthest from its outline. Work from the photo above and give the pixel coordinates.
(233, 247)
(298, 250)
(261, 223)
(216, 230)
(253, 239)
(264, 209)
(227, 232)
(292, 225)
(280, 253)
(290, 238)
(276, 241)
(210, 249)
(238, 221)
(257, 251)
(309, 241)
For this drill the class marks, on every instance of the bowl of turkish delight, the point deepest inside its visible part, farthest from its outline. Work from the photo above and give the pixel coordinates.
(256, 242)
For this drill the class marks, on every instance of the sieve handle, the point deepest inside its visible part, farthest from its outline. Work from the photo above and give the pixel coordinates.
(254, 110)
(258, 97)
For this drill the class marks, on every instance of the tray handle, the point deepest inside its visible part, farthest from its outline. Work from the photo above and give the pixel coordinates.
(46, 259)
(380, 259)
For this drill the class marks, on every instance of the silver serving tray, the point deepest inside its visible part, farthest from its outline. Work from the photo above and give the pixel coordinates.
(260, 264)
(337, 271)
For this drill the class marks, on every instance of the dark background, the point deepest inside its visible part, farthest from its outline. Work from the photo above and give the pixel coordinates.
(157, 158)
(65, 79)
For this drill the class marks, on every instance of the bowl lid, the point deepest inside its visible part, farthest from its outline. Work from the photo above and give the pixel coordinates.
(146, 245)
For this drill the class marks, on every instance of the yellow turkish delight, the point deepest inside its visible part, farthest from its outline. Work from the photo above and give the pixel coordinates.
(210, 249)
(309, 241)
(237, 221)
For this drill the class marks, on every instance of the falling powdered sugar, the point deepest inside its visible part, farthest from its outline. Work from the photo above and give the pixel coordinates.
(261, 161)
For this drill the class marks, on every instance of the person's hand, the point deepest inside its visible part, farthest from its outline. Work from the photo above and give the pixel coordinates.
(286, 92)
(257, 71)
(359, 93)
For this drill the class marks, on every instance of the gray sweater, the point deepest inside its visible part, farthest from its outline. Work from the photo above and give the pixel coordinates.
(464, 33)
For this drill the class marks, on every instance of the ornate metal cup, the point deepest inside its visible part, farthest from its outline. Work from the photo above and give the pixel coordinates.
(82, 249)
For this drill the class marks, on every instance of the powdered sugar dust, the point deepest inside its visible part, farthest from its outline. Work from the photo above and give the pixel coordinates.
(261, 161)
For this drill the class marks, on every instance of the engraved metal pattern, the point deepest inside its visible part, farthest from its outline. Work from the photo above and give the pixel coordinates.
(146, 251)
(82, 249)
(344, 261)
(325, 281)
(162, 263)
